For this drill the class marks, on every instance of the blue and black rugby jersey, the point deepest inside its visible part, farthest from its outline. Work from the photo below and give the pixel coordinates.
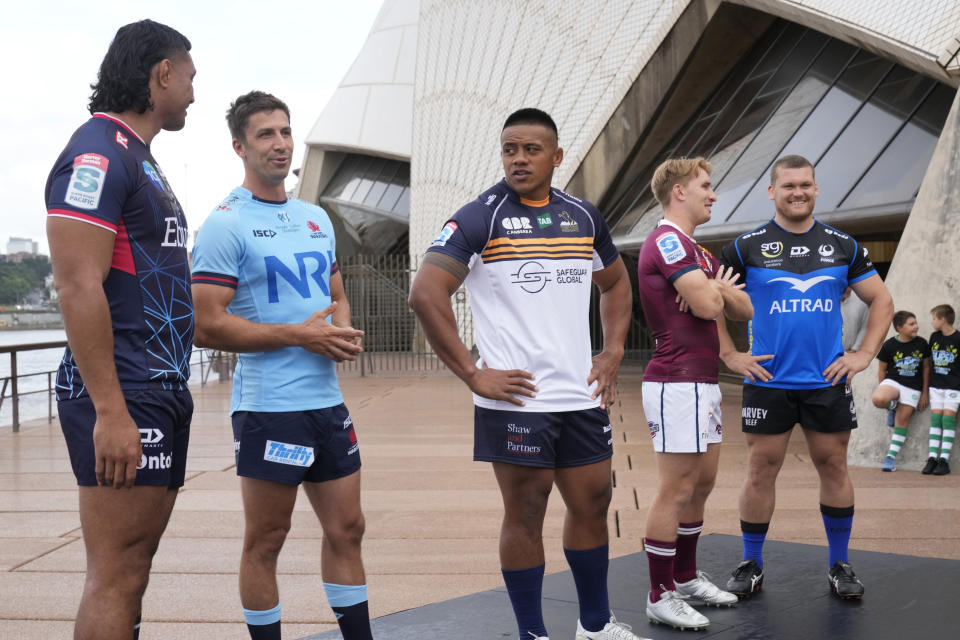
(107, 177)
(795, 281)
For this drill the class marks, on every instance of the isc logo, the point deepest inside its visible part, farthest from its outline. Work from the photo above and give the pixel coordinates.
(264, 233)
(312, 261)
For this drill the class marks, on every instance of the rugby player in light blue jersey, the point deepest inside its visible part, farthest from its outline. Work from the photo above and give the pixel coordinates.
(266, 284)
(118, 246)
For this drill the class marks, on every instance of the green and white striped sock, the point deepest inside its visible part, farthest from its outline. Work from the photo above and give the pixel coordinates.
(949, 433)
(899, 437)
(936, 434)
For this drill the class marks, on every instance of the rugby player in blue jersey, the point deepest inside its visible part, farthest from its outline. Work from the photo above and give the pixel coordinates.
(266, 284)
(117, 243)
(796, 270)
(529, 254)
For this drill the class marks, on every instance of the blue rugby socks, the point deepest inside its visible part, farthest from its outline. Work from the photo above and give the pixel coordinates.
(837, 521)
(349, 604)
(589, 568)
(525, 588)
(263, 625)
(753, 535)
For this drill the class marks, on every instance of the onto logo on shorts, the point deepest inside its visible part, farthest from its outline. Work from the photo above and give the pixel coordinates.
(295, 455)
(654, 428)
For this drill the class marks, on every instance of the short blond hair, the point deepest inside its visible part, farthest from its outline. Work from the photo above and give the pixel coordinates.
(676, 171)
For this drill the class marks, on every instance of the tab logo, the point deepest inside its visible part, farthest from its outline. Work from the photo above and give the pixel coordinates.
(295, 455)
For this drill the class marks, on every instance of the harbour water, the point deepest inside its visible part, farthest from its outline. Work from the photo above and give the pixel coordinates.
(35, 405)
(41, 361)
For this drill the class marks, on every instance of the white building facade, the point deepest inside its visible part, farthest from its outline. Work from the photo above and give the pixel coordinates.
(866, 89)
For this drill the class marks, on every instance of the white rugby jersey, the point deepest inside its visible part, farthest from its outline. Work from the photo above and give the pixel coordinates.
(531, 267)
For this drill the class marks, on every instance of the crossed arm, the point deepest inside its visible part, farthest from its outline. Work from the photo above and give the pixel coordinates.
(217, 328)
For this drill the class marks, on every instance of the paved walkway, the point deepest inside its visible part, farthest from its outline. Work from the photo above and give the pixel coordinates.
(433, 515)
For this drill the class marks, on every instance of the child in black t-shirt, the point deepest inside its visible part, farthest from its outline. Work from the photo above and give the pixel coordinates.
(904, 374)
(944, 388)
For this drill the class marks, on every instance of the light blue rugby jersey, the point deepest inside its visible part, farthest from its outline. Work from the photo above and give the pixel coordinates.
(279, 257)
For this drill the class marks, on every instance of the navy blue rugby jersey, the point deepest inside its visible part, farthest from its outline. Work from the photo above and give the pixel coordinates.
(795, 281)
(531, 270)
(107, 177)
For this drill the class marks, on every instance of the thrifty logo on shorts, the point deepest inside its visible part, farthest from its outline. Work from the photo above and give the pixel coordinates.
(293, 454)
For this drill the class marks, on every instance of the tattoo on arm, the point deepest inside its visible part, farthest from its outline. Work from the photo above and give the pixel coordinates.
(451, 265)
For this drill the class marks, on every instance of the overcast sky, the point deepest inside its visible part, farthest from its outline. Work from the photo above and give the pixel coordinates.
(298, 50)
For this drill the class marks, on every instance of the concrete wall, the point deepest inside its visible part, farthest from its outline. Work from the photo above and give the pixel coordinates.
(923, 274)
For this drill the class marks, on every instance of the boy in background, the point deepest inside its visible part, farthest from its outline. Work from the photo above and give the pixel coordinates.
(944, 389)
(904, 374)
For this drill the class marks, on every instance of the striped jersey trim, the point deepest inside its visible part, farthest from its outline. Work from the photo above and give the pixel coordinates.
(206, 277)
(689, 531)
(523, 248)
(97, 222)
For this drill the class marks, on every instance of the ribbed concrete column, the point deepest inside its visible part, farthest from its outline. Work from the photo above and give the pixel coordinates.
(924, 273)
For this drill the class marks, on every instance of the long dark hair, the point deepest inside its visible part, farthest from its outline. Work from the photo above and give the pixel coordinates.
(123, 82)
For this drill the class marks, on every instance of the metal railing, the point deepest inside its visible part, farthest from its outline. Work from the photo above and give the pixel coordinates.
(207, 360)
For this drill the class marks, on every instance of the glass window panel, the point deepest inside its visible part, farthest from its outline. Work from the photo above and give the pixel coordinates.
(722, 123)
(403, 203)
(866, 135)
(742, 134)
(753, 166)
(633, 215)
(797, 62)
(390, 197)
(897, 174)
(780, 49)
(375, 193)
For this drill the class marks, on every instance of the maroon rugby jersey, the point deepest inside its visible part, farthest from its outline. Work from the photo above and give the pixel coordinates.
(687, 346)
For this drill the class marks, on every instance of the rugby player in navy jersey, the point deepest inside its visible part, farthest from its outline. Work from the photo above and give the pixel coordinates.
(796, 270)
(529, 255)
(682, 291)
(117, 243)
(265, 283)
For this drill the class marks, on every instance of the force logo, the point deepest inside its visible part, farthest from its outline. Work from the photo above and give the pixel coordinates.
(826, 250)
(771, 249)
(517, 225)
(799, 252)
(531, 276)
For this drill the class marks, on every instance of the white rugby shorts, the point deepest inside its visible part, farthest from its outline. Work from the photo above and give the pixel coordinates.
(944, 399)
(684, 417)
(908, 396)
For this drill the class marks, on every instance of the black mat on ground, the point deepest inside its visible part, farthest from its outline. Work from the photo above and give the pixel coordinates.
(905, 596)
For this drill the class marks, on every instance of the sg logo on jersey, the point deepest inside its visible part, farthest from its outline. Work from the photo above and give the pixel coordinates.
(771, 249)
(300, 281)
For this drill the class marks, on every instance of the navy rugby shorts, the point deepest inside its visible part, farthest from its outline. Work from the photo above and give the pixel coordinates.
(163, 418)
(291, 447)
(550, 440)
(767, 410)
